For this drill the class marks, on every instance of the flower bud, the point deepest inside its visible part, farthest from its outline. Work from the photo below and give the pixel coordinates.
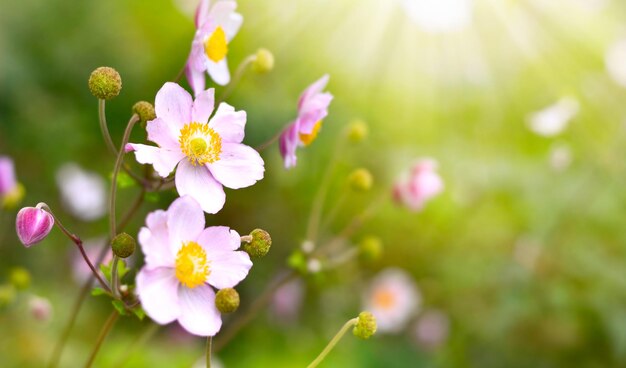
(361, 180)
(145, 111)
(264, 61)
(357, 131)
(105, 83)
(370, 248)
(20, 278)
(123, 245)
(365, 325)
(32, 225)
(40, 308)
(259, 245)
(227, 300)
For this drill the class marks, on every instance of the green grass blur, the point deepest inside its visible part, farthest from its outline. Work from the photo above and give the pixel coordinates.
(462, 98)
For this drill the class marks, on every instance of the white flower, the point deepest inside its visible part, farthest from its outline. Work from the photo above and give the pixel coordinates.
(83, 193)
(615, 61)
(553, 119)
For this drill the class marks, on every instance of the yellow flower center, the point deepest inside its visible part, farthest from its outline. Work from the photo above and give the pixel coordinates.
(216, 46)
(384, 299)
(307, 139)
(192, 267)
(200, 143)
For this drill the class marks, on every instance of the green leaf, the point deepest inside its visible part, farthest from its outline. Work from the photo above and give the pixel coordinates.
(124, 180)
(140, 313)
(98, 291)
(120, 307)
(153, 197)
(122, 270)
(106, 270)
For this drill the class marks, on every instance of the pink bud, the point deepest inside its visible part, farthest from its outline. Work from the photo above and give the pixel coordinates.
(32, 225)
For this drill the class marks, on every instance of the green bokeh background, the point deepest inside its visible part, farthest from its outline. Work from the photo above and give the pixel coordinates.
(462, 98)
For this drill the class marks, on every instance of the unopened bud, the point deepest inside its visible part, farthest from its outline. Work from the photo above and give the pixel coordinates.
(33, 224)
(365, 325)
(227, 300)
(123, 245)
(259, 245)
(357, 131)
(20, 278)
(361, 180)
(370, 248)
(145, 111)
(264, 61)
(105, 83)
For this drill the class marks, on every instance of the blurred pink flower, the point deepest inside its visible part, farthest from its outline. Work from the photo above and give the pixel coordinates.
(32, 225)
(312, 109)
(432, 329)
(93, 247)
(209, 155)
(11, 192)
(40, 308)
(215, 27)
(287, 301)
(422, 184)
(393, 298)
(83, 193)
(183, 262)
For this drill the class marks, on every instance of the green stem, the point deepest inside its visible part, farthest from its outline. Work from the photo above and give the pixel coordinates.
(209, 342)
(333, 342)
(241, 69)
(105, 128)
(269, 142)
(108, 325)
(114, 278)
(116, 170)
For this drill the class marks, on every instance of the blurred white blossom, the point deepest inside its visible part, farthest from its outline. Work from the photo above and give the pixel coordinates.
(439, 16)
(553, 119)
(615, 60)
(83, 192)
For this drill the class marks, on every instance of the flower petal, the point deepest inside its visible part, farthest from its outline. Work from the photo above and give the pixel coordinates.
(239, 166)
(203, 106)
(228, 123)
(202, 13)
(315, 88)
(313, 110)
(173, 104)
(198, 182)
(164, 134)
(219, 239)
(223, 13)
(288, 144)
(228, 268)
(185, 220)
(163, 160)
(218, 71)
(155, 241)
(198, 314)
(195, 76)
(158, 292)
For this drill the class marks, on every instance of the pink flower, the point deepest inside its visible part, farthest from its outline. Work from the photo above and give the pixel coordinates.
(393, 299)
(209, 154)
(215, 27)
(40, 308)
(422, 184)
(432, 329)
(312, 109)
(32, 225)
(287, 301)
(11, 192)
(184, 261)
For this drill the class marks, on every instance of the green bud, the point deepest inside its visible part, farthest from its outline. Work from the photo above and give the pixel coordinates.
(357, 131)
(264, 61)
(144, 110)
(7, 294)
(123, 245)
(105, 83)
(227, 300)
(365, 325)
(20, 278)
(361, 180)
(259, 245)
(370, 248)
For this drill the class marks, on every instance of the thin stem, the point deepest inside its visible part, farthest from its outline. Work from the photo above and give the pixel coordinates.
(108, 325)
(86, 287)
(209, 342)
(116, 170)
(105, 128)
(256, 306)
(93, 269)
(115, 285)
(241, 69)
(180, 74)
(330, 216)
(333, 342)
(269, 142)
(141, 340)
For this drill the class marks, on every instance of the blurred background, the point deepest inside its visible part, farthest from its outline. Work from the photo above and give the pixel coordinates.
(521, 260)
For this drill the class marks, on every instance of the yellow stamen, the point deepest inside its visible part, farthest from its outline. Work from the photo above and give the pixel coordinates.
(307, 139)
(216, 46)
(192, 267)
(384, 299)
(200, 143)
